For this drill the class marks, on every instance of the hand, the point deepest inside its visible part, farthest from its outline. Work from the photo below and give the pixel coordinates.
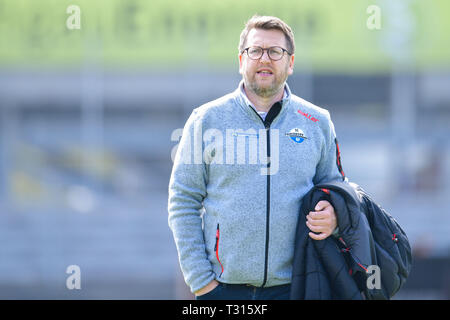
(323, 220)
(208, 288)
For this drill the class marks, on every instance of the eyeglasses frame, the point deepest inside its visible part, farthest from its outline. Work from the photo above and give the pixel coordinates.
(268, 54)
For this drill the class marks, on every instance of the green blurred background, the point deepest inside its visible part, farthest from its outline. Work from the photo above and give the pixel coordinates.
(331, 36)
(89, 119)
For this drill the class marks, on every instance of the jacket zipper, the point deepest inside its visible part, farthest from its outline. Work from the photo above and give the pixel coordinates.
(266, 254)
(216, 248)
(273, 112)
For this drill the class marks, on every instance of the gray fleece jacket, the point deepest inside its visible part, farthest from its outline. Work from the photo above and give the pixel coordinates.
(237, 185)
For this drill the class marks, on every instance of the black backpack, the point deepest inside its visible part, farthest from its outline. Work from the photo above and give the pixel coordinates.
(370, 245)
(392, 248)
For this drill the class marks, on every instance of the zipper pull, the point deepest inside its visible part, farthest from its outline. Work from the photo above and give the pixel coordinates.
(394, 238)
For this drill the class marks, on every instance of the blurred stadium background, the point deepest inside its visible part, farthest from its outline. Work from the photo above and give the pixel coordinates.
(88, 121)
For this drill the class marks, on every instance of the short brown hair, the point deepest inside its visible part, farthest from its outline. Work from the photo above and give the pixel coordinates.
(268, 23)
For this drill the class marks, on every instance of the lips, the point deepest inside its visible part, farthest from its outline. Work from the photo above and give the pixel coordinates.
(264, 72)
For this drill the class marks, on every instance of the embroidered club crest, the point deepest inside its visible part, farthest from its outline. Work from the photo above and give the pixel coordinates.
(296, 135)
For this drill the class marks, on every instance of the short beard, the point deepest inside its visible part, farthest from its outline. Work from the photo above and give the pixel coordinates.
(266, 92)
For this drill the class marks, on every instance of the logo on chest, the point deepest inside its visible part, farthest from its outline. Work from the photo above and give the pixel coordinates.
(296, 135)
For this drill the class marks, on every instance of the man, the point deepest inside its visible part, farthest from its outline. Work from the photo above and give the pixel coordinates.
(234, 219)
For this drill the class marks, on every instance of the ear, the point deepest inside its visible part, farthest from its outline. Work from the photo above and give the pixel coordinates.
(240, 63)
(291, 64)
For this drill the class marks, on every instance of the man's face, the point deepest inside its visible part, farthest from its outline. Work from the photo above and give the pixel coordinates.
(265, 77)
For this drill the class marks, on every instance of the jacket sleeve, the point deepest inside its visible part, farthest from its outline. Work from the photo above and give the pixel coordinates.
(329, 167)
(187, 189)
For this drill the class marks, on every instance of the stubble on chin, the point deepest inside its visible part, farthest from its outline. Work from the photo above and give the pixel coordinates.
(263, 91)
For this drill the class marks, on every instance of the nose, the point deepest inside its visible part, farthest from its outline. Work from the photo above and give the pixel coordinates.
(265, 56)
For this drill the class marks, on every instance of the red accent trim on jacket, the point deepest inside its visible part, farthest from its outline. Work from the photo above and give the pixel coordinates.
(338, 159)
(216, 248)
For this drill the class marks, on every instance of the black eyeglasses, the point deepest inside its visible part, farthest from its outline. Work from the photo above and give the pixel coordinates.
(275, 53)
